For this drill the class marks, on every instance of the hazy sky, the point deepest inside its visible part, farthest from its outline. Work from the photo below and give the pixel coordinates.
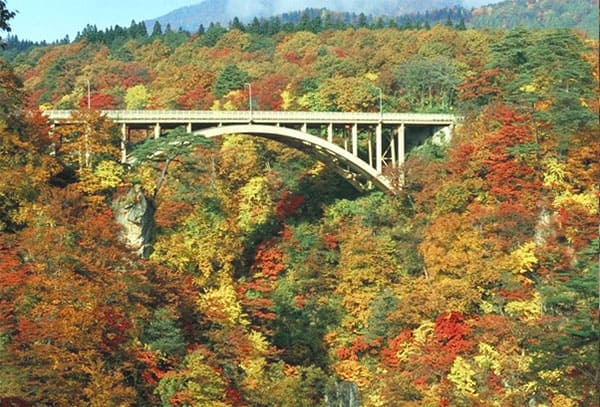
(39, 20)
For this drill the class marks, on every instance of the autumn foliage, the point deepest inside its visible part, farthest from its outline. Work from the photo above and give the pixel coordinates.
(272, 281)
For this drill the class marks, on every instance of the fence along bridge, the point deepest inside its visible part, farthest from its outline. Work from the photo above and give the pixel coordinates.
(365, 148)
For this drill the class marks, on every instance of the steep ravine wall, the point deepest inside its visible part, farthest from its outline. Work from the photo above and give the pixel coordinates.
(135, 213)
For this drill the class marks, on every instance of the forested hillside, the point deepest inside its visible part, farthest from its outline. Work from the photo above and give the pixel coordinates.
(271, 281)
(507, 14)
(578, 14)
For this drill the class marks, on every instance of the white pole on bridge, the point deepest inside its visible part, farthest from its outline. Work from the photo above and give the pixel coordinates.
(380, 102)
(249, 98)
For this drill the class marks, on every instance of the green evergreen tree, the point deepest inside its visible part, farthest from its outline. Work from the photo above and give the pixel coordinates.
(557, 56)
(164, 150)
(237, 25)
(212, 35)
(230, 78)
(362, 20)
(156, 29)
(163, 334)
(573, 301)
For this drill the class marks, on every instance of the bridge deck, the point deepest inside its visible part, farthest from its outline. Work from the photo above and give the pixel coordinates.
(266, 117)
(332, 137)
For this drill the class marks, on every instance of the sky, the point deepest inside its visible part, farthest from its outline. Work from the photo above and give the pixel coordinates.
(51, 20)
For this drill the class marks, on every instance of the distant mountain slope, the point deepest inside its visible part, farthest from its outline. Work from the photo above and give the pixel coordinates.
(579, 14)
(224, 11)
(191, 17)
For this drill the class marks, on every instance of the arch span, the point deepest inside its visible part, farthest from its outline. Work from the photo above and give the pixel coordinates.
(351, 167)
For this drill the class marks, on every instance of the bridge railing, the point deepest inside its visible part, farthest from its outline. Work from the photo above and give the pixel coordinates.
(153, 116)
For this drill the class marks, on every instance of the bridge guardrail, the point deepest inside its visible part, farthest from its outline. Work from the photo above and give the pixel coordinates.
(158, 116)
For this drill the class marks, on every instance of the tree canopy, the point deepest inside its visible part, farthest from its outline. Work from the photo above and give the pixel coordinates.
(272, 282)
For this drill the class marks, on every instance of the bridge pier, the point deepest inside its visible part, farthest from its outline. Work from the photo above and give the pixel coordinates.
(189, 127)
(124, 140)
(393, 149)
(401, 134)
(370, 141)
(355, 140)
(378, 148)
(330, 132)
(157, 130)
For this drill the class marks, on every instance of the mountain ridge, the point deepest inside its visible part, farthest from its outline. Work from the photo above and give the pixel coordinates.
(189, 18)
(578, 14)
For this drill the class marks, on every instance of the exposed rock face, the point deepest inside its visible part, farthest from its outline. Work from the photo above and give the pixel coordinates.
(135, 213)
(344, 394)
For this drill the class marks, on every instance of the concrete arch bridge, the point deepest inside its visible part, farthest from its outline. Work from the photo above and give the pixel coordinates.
(365, 148)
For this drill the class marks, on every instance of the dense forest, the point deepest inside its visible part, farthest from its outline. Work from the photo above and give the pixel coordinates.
(579, 14)
(270, 280)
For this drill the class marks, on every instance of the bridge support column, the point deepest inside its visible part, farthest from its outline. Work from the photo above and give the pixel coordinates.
(378, 148)
(330, 132)
(124, 140)
(355, 139)
(304, 128)
(157, 130)
(189, 127)
(370, 149)
(401, 132)
(393, 149)
(401, 152)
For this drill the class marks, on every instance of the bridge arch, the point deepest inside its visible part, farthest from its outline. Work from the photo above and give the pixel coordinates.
(349, 166)
(389, 135)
